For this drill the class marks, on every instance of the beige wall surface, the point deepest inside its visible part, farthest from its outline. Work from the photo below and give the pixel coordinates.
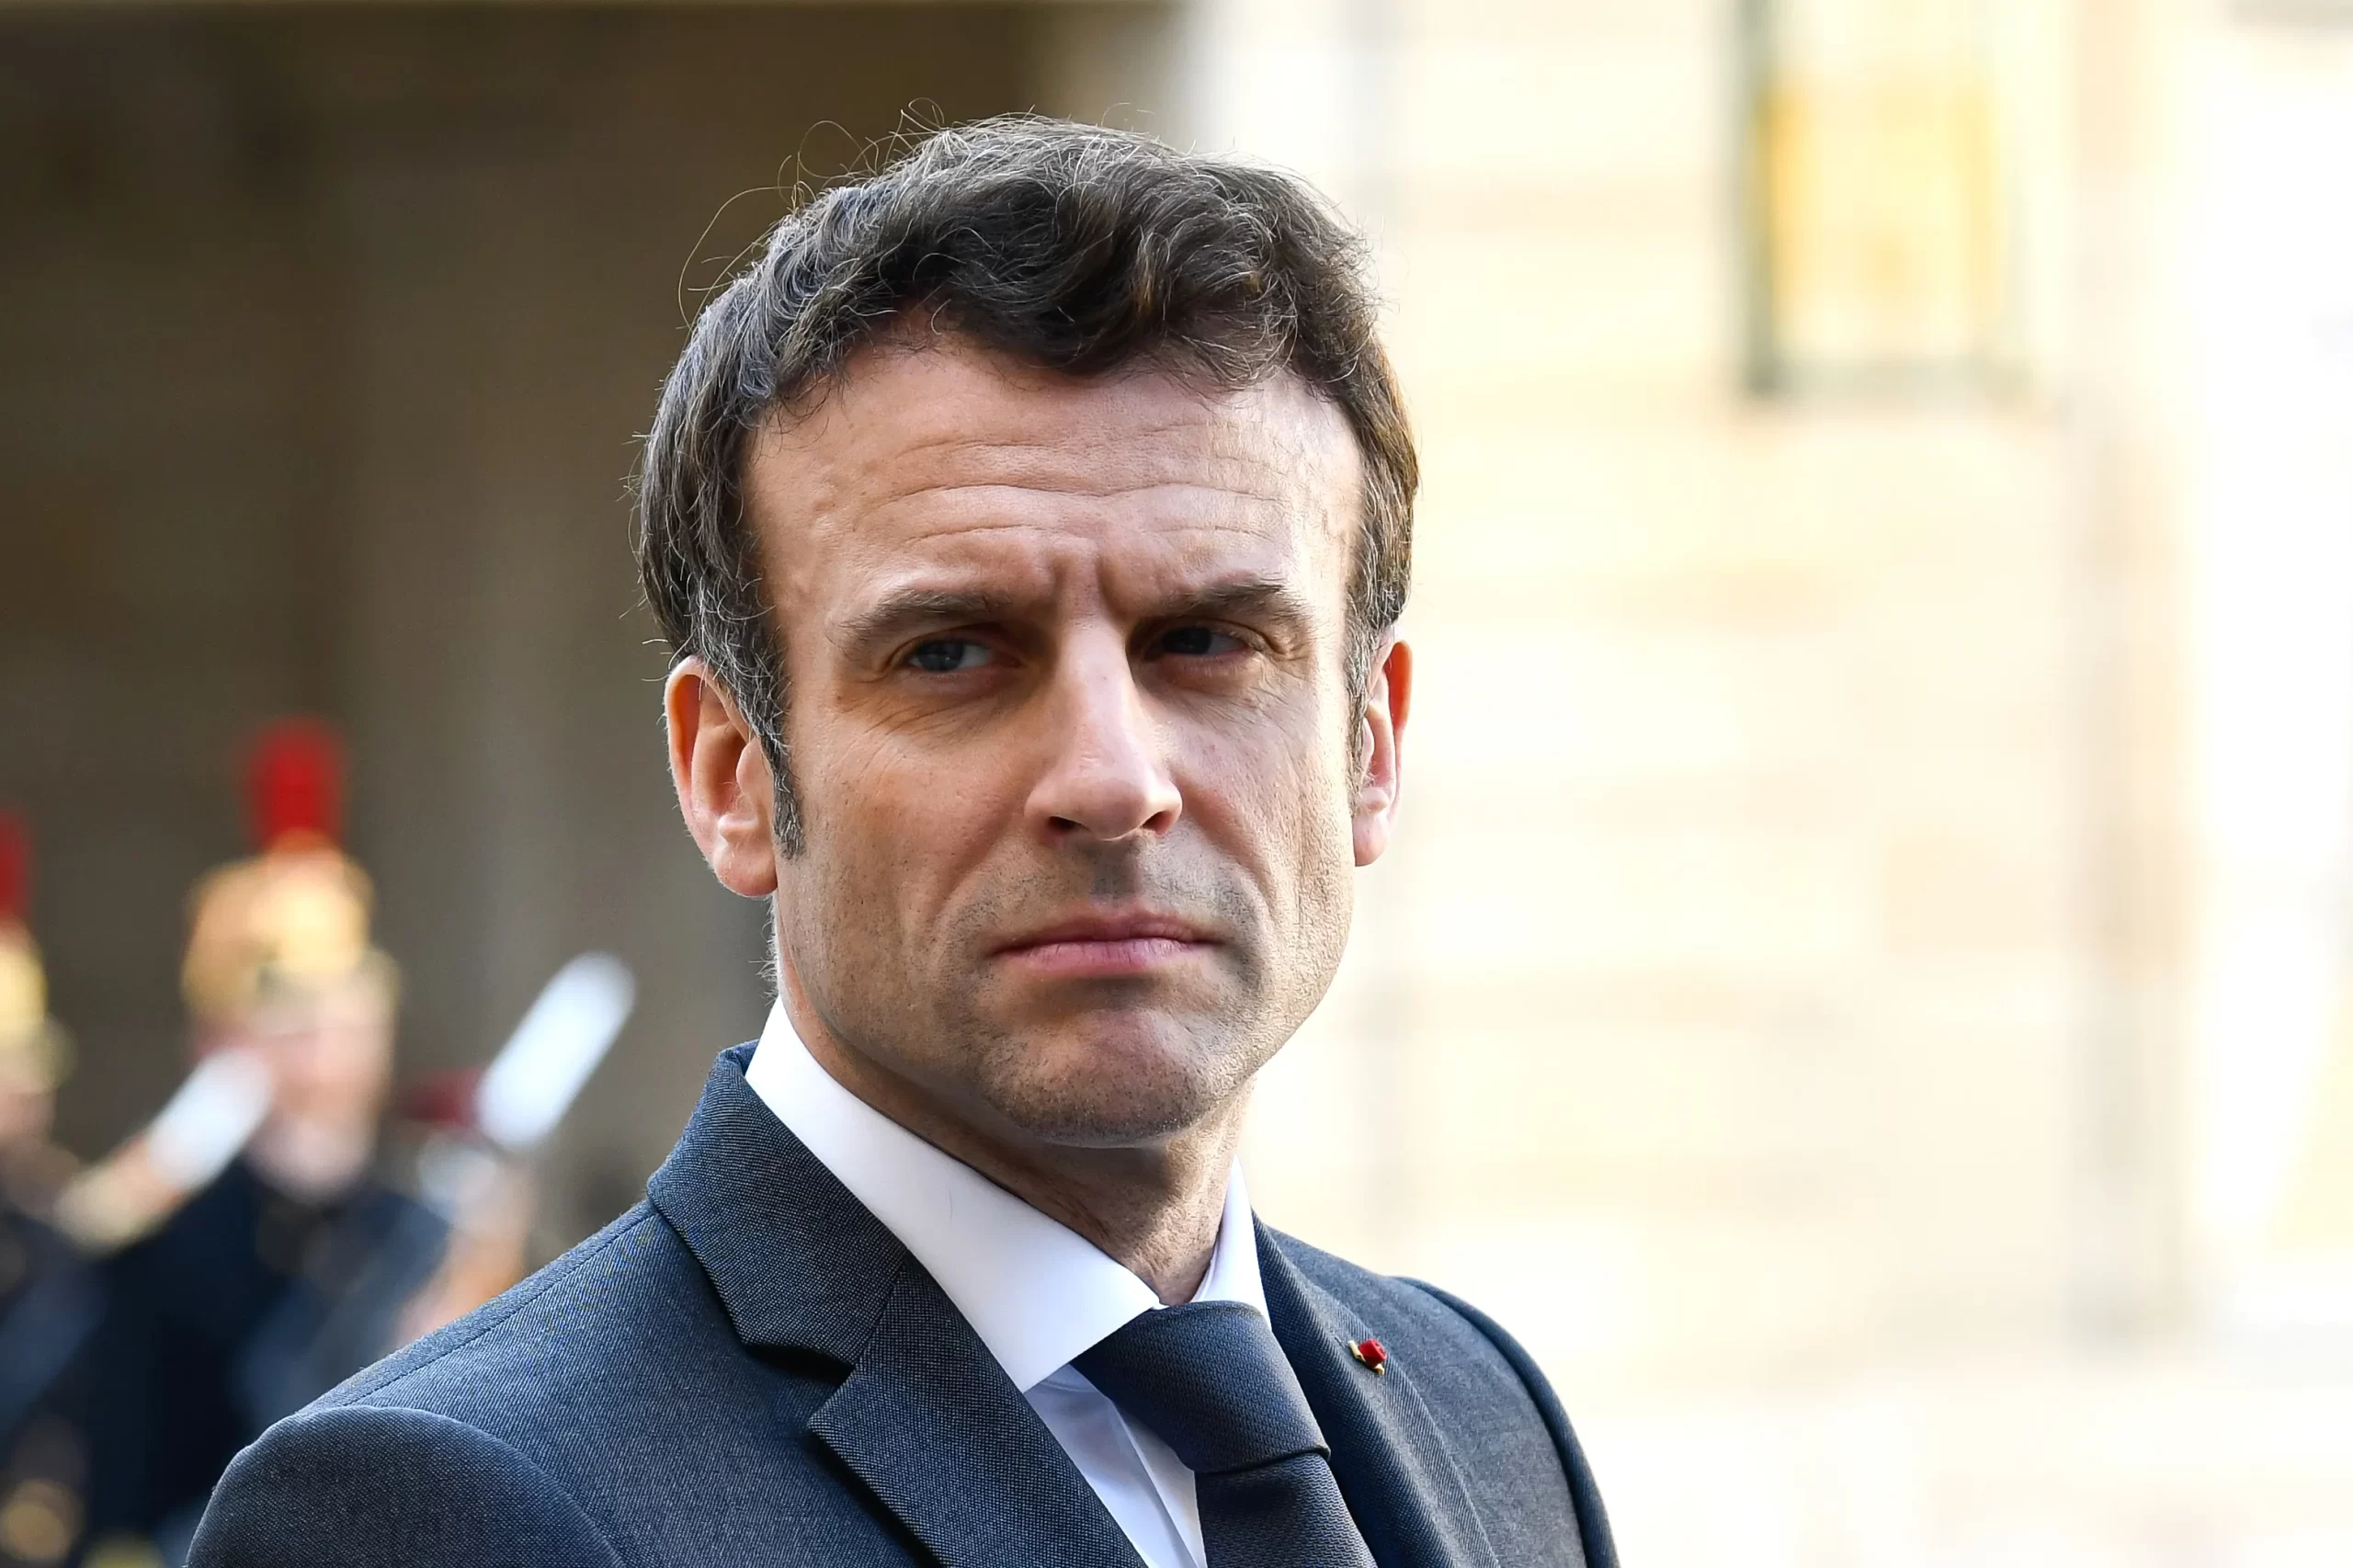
(1778, 1005)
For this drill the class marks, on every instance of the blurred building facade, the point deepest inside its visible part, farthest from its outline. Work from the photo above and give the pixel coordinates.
(1847, 865)
(1870, 951)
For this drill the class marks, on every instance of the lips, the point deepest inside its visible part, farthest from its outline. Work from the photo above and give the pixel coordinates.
(1107, 946)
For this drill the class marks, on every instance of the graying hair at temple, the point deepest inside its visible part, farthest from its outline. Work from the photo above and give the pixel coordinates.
(1073, 247)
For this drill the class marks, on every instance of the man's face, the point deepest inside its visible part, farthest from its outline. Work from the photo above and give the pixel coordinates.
(328, 1048)
(1069, 728)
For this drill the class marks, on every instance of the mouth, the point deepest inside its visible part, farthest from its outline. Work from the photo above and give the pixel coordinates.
(1106, 947)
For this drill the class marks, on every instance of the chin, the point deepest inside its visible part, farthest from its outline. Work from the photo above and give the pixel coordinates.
(1109, 1088)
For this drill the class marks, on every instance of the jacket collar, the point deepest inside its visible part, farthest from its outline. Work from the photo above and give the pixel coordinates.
(929, 1420)
(1038, 1293)
(1395, 1468)
(926, 1417)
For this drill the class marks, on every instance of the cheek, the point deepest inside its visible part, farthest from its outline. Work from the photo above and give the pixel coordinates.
(893, 830)
(1276, 796)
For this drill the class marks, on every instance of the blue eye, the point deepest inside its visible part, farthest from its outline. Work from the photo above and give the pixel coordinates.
(1198, 643)
(945, 655)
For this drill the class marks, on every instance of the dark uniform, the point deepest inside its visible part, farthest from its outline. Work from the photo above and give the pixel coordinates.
(51, 1304)
(245, 1307)
(50, 1300)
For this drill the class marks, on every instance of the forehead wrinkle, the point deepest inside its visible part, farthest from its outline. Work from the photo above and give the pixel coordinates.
(853, 462)
(1102, 470)
(1066, 551)
(1170, 572)
(963, 510)
(1033, 437)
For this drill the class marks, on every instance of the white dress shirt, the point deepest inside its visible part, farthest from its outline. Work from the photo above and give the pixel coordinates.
(1036, 1291)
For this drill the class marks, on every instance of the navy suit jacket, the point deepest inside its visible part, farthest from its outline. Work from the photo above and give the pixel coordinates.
(750, 1369)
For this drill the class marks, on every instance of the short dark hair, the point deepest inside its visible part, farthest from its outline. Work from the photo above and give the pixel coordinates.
(1074, 247)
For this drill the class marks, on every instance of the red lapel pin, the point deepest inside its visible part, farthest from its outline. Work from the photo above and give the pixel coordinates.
(1369, 1352)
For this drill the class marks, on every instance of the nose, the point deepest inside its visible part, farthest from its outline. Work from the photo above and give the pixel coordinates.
(1108, 777)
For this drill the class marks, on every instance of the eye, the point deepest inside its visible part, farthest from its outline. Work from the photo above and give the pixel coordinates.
(1197, 643)
(947, 655)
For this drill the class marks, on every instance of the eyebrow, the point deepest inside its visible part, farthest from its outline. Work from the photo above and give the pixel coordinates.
(1269, 600)
(913, 608)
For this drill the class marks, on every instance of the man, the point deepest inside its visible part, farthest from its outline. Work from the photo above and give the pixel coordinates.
(1030, 523)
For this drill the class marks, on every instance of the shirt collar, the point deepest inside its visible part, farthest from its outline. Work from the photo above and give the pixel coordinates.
(1036, 1291)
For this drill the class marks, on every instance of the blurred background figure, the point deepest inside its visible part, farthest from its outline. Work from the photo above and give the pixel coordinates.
(289, 1008)
(255, 1253)
(257, 1242)
(50, 1300)
(1863, 990)
(34, 1051)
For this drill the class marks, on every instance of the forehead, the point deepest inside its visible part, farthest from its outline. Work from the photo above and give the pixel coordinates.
(951, 455)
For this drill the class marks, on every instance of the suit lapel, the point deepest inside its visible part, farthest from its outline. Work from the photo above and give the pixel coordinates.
(926, 1418)
(930, 1422)
(1397, 1472)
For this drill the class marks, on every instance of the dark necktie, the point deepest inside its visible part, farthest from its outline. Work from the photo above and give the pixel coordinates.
(1210, 1381)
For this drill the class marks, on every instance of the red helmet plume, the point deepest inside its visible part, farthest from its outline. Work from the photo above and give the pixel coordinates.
(16, 868)
(297, 783)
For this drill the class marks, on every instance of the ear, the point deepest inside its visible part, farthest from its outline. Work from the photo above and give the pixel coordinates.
(726, 792)
(1380, 735)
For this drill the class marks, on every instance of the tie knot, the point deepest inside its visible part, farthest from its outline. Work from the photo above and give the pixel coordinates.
(1210, 1381)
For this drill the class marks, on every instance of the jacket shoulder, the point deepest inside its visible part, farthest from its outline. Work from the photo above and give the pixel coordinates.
(1584, 1493)
(1492, 1395)
(616, 1362)
(1406, 1306)
(390, 1488)
(576, 1317)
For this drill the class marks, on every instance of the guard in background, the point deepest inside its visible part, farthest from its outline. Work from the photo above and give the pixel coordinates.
(241, 1292)
(50, 1299)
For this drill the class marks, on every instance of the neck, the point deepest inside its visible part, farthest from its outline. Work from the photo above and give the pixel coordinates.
(1154, 1209)
(311, 1160)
